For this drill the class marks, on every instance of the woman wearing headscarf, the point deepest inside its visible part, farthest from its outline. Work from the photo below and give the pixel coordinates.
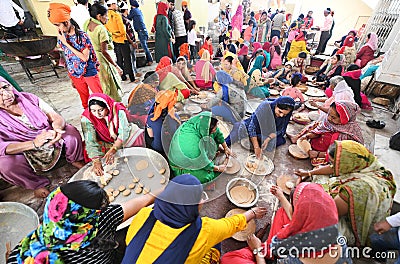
(141, 99)
(32, 137)
(256, 84)
(352, 78)
(106, 128)
(205, 72)
(229, 100)
(230, 52)
(181, 65)
(196, 158)
(163, 33)
(334, 67)
(339, 124)
(263, 28)
(348, 50)
(266, 47)
(294, 223)
(162, 122)
(109, 72)
(298, 45)
(362, 188)
(186, 237)
(207, 46)
(266, 127)
(275, 52)
(366, 53)
(171, 78)
(237, 23)
(229, 65)
(79, 226)
(243, 56)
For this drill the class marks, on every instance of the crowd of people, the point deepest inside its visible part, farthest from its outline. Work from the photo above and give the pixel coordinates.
(255, 55)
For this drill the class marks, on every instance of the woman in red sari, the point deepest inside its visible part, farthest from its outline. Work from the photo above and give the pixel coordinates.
(106, 128)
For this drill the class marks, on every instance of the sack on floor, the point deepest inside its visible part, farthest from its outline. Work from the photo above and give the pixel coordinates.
(394, 142)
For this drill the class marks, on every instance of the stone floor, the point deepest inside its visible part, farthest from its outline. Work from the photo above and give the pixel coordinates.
(60, 94)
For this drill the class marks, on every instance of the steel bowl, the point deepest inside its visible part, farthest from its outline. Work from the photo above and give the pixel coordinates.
(243, 182)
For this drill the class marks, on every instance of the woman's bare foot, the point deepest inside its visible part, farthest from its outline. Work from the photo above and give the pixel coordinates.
(42, 192)
(78, 164)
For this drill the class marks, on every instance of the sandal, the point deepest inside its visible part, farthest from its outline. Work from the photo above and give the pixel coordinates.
(318, 162)
(375, 124)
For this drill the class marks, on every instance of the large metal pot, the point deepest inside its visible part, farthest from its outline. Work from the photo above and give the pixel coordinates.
(24, 47)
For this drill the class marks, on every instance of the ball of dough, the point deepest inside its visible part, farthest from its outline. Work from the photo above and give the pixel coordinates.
(111, 199)
(146, 190)
(138, 190)
(126, 192)
(135, 179)
(115, 173)
(115, 193)
(150, 175)
(162, 170)
(121, 188)
(131, 186)
(163, 180)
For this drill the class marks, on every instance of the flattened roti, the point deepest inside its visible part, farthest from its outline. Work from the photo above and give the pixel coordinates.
(241, 194)
(142, 165)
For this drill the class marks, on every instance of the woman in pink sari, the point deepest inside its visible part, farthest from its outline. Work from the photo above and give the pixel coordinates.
(32, 136)
(107, 128)
(205, 72)
(366, 53)
(237, 23)
(275, 52)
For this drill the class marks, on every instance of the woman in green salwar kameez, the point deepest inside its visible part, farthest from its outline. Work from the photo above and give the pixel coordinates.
(194, 146)
(163, 33)
(109, 73)
(361, 187)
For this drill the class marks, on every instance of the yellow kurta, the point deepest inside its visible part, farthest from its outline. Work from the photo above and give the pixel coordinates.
(212, 232)
(295, 48)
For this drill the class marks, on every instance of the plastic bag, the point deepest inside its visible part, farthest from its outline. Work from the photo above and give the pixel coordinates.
(394, 142)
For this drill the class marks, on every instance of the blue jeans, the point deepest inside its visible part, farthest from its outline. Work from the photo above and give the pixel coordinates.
(386, 241)
(143, 37)
(133, 56)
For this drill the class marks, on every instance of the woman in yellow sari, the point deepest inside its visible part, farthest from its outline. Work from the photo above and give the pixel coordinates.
(361, 187)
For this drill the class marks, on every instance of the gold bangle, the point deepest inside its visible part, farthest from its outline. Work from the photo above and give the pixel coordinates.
(114, 148)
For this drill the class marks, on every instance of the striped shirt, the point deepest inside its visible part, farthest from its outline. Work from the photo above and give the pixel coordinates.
(109, 220)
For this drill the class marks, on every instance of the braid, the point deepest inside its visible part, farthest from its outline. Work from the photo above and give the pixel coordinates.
(77, 28)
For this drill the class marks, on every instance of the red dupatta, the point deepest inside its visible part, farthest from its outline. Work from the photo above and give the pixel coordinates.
(100, 125)
(162, 9)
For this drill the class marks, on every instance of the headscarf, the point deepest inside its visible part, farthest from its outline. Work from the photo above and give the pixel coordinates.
(275, 41)
(266, 46)
(300, 36)
(348, 41)
(343, 92)
(349, 129)
(178, 204)
(244, 51)
(205, 72)
(106, 133)
(373, 41)
(256, 45)
(12, 129)
(351, 156)
(306, 208)
(224, 79)
(162, 9)
(66, 225)
(184, 51)
(164, 99)
(233, 48)
(237, 19)
(58, 13)
(164, 67)
(258, 65)
(287, 16)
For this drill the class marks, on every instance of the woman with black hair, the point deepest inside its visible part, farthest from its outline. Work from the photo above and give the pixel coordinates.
(194, 145)
(109, 72)
(79, 226)
(81, 60)
(266, 127)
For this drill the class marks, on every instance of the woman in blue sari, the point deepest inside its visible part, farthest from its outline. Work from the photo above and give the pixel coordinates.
(262, 132)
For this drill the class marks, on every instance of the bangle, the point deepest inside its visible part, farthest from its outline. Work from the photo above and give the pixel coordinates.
(254, 212)
(96, 160)
(114, 148)
(34, 146)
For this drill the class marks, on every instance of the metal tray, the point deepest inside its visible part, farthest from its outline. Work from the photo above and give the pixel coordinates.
(128, 170)
(16, 221)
